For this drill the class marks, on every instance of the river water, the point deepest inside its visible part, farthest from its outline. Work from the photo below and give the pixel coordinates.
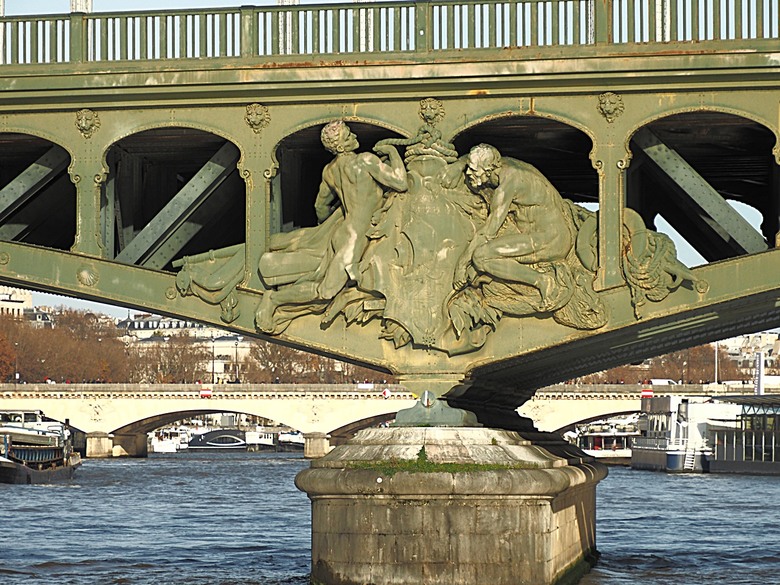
(237, 519)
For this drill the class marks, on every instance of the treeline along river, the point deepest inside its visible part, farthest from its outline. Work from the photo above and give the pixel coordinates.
(237, 519)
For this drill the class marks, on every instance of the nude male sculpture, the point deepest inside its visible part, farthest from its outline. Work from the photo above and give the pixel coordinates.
(352, 185)
(526, 224)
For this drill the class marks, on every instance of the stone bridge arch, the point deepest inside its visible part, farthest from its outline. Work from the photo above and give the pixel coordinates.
(555, 412)
(117, 417)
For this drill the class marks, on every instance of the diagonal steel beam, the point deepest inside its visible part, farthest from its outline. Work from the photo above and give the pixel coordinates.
(51, 202)
(181, 207)
(31, 180)
(210, 211)
(720, 218)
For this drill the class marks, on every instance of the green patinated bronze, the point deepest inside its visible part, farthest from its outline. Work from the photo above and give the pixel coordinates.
(437, 260)
(176, 166)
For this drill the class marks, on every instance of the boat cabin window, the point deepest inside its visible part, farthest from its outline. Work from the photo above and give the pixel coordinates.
(760, 422)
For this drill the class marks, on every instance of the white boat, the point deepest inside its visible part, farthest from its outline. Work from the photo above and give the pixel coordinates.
(608, 440)
(289, 441)
(678, 432)
(260, 440)
(34, 450)
(169, 440)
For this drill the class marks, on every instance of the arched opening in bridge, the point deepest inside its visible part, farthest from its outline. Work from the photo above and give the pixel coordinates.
(301, 158)
(172, 192)
(37, 199)
(206, 430)
(561, 152)
(689, 168)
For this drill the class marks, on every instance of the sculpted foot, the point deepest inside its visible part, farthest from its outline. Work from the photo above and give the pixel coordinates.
(264, 316)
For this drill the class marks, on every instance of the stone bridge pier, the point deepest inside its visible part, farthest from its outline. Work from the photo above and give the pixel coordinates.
(130, 445)
(101, 445)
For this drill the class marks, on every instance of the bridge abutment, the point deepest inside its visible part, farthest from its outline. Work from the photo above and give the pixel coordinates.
(454, 506)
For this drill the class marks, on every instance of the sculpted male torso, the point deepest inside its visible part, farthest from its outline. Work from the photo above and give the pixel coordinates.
(356, 182)
(526, 224)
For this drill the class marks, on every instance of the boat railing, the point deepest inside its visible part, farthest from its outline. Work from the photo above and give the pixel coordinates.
(408, 27)
(667, 444)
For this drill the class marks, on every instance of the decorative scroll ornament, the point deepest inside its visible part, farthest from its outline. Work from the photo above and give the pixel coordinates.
(87, 122)
(87, 275)
(257, 117)
(611, 106)
(650, 264)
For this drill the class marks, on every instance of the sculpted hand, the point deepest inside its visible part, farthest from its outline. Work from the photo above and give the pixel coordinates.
(384, 149)
(460, 279)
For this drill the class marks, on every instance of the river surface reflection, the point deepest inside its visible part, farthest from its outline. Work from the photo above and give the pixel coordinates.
(237, 519)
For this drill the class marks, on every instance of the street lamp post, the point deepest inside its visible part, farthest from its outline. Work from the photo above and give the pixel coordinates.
(239, 338)
(716, 362)
(213, 359)
(16, 363)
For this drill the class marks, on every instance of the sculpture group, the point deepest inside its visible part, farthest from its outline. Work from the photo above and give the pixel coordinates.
(438, 247)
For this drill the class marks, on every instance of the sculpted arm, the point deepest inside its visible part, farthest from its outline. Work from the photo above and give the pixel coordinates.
(453, 175)
(392, 174)
(499, 209)
(323, 205)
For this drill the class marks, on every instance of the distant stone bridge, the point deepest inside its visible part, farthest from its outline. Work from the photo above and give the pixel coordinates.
(117, 417)
(555, 408)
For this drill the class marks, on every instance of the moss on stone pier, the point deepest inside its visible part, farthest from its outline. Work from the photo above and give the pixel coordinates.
(424, 465)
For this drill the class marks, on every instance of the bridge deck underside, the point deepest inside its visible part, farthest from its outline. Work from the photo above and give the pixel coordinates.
(502, 387)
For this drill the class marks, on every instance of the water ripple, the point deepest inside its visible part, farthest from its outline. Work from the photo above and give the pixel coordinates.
(237, 519)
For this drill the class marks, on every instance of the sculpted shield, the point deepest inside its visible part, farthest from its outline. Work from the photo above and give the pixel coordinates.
(419, 237)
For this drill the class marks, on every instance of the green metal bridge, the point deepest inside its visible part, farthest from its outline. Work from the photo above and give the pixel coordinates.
(166, 161)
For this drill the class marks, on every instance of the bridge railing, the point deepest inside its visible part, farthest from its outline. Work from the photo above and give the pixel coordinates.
(217, 391)
(316, 30)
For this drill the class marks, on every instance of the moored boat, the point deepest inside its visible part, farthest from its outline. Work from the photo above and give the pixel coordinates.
(678, 435)
(289, 441)
(169, 440)
(608, 440)
(218, 440)
(33, 450)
